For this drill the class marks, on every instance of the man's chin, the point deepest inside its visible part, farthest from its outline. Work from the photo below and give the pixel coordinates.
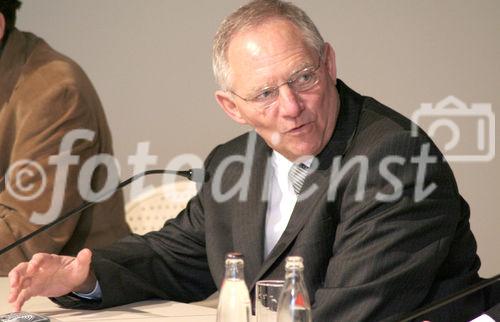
(301, 154)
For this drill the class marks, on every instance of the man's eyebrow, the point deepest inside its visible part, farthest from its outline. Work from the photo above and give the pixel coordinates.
(305, 65)
(260, 88)
(301, 67)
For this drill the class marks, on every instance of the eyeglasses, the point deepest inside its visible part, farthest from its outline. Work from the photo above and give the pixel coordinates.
(300, 81)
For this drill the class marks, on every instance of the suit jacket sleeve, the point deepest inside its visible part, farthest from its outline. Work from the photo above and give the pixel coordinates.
(494, 312)
(384, 249)
(169, 264)
(48, 104)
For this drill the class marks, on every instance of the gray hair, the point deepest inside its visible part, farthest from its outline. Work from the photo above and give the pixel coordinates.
(253, 14)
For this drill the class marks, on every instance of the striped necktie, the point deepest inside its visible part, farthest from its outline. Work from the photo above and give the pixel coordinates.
(297, 176)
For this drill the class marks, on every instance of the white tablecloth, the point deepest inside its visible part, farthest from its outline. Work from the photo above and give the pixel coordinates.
(150, 310)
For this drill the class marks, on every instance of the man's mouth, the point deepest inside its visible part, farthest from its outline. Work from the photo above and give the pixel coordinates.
(298, 129)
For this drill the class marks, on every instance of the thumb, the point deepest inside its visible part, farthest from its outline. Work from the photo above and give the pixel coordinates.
(84, 258)
(81, 274)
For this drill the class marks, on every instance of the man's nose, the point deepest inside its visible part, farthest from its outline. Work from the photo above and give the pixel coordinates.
(290, 104)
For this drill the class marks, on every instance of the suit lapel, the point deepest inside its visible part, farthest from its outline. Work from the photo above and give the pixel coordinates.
(250, 215)
(298, 219)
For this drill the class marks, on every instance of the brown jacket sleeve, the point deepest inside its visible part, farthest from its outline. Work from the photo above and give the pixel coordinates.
(45, 106)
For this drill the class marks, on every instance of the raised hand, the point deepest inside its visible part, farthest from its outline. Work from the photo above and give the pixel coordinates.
(50, 275)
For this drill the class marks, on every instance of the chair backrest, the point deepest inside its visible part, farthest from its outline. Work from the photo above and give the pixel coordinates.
(149, 211)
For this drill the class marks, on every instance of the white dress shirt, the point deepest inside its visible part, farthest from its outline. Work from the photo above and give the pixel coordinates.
(281, 200)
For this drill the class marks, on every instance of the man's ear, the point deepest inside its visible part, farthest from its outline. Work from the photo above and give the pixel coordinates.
(2, 26)
(227, 103)
(330, 63)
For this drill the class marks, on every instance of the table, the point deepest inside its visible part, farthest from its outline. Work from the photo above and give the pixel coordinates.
(166, 311)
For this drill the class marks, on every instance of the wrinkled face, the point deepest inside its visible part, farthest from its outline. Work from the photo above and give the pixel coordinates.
(297, 123)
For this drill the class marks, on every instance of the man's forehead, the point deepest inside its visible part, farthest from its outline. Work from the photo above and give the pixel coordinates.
(273, 45)
(269, 36)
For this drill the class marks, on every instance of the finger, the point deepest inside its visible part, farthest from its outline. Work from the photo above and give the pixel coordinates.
(14, 292)
(15, 274)
(35, 263)
(84, 257)
(21, 299)
(13, 278)
(26, 283)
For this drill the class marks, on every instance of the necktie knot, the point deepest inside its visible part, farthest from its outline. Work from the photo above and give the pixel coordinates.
(297, 175)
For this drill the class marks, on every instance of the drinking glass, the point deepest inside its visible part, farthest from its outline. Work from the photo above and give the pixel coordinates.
(267, 294)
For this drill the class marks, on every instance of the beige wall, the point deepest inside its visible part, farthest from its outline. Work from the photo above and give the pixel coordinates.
(150, 62)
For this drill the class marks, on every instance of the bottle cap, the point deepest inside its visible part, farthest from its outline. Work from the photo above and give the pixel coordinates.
(234, 255)
(294, 262)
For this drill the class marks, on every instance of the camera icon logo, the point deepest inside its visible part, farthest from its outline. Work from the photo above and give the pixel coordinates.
(465, 134)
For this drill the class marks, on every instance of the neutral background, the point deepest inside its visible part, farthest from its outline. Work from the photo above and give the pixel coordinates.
(150, 62)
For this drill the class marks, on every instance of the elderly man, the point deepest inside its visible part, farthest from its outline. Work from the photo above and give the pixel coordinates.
(374, 247)
(43, 97)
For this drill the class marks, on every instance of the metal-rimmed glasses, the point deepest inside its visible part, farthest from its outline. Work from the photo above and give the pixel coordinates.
(300, 81)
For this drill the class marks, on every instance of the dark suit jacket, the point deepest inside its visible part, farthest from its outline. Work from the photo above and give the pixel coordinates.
(494, 312)
(365, 260)
(493, 301)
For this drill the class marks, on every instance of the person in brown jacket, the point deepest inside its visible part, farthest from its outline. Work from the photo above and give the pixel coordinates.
(51, 123)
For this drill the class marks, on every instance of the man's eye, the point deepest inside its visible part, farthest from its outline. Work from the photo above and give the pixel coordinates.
(265, 94)
(305, 78)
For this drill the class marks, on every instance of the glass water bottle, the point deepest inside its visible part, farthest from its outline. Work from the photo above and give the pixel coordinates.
(234, 300)
(294, 305)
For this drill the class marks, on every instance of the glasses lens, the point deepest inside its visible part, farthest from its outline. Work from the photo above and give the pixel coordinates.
(304, 80)
(266, 97)
(300, 82)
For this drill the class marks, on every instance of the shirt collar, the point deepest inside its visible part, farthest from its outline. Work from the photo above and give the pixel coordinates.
(279, 161)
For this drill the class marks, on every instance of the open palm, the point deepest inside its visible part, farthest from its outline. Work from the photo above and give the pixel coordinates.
(49, 275)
